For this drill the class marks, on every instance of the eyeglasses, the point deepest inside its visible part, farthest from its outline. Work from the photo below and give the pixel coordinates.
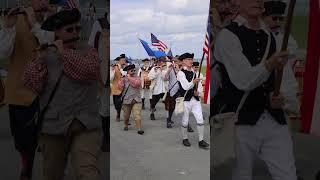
(72, 29)
(277, 18)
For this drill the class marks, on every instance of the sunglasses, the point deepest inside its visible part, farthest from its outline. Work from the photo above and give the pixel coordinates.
(277, 18)
(72, 29)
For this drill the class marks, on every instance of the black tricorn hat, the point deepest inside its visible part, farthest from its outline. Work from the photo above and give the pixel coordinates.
(196, 64)
(60, 19)
(117, 59)
(274, 8)
(122, 56)
(185, 56)
(129, 67)
(146, 59)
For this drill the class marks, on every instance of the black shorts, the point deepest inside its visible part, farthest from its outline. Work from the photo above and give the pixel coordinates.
(23, 126)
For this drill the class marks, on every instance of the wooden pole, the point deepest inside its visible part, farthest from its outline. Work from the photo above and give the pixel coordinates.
(287, 30)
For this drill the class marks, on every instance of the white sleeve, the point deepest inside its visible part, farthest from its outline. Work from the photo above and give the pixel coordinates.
(152, 74)
(228, 51)
(289, 89)
(112, 72)
(42, 35)
(7, 41)
(95, 28)
(185, 84)
(200, 89)
(164, 73)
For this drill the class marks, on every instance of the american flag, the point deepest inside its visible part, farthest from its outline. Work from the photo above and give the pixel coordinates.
(157, 43)
(206, 52)
(72, 4)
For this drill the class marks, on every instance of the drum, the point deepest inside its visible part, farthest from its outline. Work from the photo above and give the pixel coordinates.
(147, 81)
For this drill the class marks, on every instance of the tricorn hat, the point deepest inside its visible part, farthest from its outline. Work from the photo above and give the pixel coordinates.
(60, 19)
(185, 56)
(274, 7)
(129, 67)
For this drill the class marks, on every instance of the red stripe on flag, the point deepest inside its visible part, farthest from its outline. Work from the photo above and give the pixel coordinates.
(311, 68)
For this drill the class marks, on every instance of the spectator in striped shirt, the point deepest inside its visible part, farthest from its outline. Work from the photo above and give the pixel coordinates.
(71, 125)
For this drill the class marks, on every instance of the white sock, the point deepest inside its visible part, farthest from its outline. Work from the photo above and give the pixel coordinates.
(184, 132)
(201, 132)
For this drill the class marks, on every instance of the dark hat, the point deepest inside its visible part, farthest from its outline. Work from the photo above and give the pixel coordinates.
(129, 67)
(274, 8)
(185, 56)
(146, 59)
(60, 19)
(122, 56)
(196, 64)
(117, 59)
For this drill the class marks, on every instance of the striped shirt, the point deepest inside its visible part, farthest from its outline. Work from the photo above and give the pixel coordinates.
(173, 82)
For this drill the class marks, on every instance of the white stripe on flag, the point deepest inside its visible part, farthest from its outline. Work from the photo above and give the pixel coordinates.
(315, 124)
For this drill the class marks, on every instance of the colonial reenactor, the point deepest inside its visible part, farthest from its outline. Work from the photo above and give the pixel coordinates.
(99, 39)
(173, 88)
(195, 66)
(273, 16)
(66, 80)
(131, 97)
(191, 89)
(157, 87)
(21, 34)
(115, 76)
(246, 52)
(145, 81)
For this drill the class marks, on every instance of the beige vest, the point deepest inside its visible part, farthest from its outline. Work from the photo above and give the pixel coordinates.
(117, 77)
(16, 93)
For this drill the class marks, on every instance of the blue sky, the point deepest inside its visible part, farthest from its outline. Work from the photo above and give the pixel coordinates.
(180, 24)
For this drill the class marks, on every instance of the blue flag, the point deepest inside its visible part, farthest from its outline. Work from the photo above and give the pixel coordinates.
(147, 48)
(159, 54)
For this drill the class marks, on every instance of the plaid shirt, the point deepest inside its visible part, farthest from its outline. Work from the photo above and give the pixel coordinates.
(75, 66)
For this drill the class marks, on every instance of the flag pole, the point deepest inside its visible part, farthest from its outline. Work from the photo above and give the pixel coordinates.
(279, 72)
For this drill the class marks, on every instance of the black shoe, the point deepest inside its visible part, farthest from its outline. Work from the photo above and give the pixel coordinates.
(129, 123)
(190, 129)
(171, 121)
(169, 125)
(140, 132)
(186, 142)
(203, 145)
(152, 117)
(126, 128)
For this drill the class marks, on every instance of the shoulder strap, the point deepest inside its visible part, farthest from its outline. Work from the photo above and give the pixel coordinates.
(52, 93)
(194, 75)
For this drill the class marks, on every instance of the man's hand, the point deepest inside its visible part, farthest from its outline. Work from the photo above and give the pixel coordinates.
(10, 20)
(59, 44)
(277, 60)
(277, 102)
(196, 80)
(196, 93)
(31, 15)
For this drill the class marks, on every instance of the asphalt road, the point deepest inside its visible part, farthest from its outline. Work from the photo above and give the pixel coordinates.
(159, 153)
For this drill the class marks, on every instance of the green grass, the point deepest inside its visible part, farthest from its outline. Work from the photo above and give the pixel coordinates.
(299, 30)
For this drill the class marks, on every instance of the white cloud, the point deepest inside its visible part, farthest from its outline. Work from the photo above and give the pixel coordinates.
(181, 23)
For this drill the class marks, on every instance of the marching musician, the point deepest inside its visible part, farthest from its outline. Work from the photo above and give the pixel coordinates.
(145, 81)
(273, 16)
(131, 97)
(116, 74)
(99, 39)
(158, 86)
(191, 89)
(71, 124)
(246, 52)
(20, 35)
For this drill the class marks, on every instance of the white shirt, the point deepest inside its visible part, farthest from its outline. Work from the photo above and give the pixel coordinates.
(158, 77)
(228, 51)
(186, 85)
(95, 28)
(8, 37)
